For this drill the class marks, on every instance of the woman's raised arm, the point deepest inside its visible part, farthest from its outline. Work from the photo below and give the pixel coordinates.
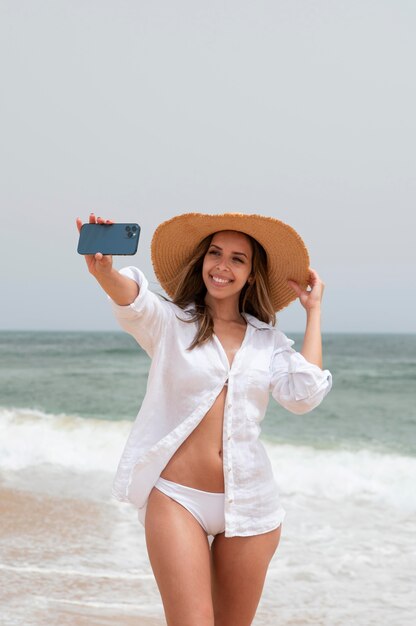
(121, 289)
(311, 301)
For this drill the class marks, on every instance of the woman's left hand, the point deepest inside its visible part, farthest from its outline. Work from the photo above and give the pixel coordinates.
(310, 299)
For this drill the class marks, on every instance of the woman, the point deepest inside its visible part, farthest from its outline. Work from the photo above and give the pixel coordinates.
(193, 464)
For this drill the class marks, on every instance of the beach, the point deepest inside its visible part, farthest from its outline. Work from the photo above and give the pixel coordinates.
(55, 564)
(72, 555)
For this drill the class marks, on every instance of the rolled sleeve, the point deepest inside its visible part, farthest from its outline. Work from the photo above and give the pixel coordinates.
(296, 384)
(146, 317)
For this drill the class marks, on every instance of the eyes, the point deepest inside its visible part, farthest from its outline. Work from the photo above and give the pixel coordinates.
(217, 253)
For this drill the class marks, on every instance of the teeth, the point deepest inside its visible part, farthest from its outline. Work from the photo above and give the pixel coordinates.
(220, 280)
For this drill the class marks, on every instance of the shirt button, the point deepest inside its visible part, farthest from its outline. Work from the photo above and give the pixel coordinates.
(229, 437)
(230, 500)
(229, 406)
(229, 469)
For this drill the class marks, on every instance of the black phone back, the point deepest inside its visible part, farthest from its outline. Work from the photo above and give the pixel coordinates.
(114, 239)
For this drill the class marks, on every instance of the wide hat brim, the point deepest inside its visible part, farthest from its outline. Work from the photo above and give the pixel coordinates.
(174, 241)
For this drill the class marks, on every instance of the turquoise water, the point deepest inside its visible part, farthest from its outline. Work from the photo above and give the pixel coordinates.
(102, 375)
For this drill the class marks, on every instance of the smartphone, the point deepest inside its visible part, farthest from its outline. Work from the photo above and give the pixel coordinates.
(114, 239)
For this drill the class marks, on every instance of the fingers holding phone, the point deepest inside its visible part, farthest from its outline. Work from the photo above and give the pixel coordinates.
(98, 263)
(92, 220)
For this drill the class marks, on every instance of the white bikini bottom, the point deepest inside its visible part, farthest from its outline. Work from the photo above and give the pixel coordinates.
(205, 506)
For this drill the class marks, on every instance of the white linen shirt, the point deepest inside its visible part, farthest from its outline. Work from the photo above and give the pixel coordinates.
(182, 386)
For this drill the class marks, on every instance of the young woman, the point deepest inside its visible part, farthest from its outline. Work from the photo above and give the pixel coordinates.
(193, 464)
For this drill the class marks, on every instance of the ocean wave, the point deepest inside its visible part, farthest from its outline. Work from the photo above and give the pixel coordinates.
(32, 438)
(359, 476)
(29, 437)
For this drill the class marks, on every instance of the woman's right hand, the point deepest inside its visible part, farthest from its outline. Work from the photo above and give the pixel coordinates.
(99, 265)
(121, 289)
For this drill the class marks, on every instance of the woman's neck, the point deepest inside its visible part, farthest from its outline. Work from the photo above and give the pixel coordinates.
(223, 310)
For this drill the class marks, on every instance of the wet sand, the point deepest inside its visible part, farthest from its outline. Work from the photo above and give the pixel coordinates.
(57, 565)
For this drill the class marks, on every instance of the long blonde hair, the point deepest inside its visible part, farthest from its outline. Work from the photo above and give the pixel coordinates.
(255, 297)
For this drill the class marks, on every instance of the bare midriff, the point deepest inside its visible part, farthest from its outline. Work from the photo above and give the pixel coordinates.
(198, 461)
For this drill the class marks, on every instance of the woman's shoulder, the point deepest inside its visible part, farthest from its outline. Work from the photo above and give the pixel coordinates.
(149, 290)
(281, 341)
(181, 313)
(254, 321)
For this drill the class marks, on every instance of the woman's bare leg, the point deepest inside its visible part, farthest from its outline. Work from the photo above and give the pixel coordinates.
(180, 558)
(239, 566)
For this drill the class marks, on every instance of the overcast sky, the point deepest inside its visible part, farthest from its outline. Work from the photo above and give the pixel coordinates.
(140, 110)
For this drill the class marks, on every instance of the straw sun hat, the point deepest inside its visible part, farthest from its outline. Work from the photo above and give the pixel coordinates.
(175, 240)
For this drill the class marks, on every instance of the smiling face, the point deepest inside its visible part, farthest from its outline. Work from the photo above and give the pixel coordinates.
(227, 264)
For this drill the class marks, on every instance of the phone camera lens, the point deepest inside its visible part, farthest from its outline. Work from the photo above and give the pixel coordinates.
(129, 234)
(134, 228)
(127, 228)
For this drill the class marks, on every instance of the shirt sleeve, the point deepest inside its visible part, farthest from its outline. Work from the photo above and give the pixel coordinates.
(147, 317)
(296, 384)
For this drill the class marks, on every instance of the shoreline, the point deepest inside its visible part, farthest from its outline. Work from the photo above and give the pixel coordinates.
(61, 563)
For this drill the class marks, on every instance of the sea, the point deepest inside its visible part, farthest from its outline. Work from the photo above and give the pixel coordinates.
(72, 555)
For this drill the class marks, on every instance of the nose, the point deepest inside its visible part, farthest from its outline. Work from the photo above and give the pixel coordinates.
(221, 265)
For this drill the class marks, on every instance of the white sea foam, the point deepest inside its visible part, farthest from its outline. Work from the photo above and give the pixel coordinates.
(340, 475)
(30, 438)
(76, 573)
